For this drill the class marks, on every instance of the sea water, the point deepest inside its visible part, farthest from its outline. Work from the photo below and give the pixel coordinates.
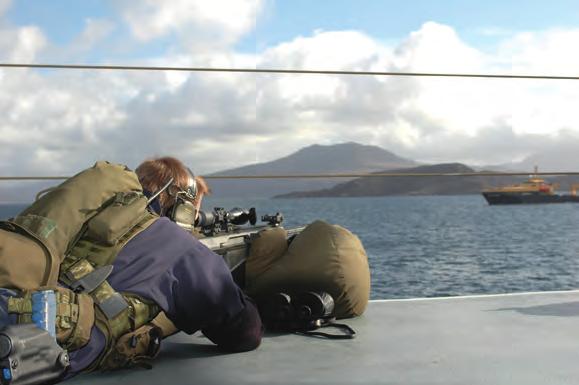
(430, 246)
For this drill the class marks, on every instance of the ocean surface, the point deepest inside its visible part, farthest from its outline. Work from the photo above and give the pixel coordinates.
(442, 245)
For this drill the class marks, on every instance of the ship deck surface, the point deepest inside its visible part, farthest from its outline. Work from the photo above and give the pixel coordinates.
(529, 338)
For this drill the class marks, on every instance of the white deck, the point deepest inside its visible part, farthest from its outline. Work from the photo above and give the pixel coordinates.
(530, 338)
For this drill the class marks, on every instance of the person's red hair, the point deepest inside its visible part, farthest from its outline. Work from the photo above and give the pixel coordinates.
(156, 173)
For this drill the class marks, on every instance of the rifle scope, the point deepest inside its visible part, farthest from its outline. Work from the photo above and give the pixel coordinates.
(221, 220)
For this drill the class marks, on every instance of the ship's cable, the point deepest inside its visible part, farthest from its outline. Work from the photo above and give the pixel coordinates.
(340, 175)
(282, 71)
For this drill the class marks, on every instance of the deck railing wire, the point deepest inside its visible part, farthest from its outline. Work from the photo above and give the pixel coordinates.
(306, 72)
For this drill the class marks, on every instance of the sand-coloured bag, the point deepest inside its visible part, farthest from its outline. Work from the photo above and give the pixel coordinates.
(267, 246)
(323, 257)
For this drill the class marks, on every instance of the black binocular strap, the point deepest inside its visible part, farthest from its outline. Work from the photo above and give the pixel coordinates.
(348, 332)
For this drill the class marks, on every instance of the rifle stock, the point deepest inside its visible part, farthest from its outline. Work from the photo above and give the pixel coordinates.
(234, 246)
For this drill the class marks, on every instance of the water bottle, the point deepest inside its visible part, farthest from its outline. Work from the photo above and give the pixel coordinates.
(44, 310)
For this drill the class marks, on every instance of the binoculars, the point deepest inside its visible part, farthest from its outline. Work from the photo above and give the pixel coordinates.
(296, 312)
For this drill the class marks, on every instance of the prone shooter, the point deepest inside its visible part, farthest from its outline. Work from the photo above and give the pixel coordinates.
(121, 273)
(108, 249)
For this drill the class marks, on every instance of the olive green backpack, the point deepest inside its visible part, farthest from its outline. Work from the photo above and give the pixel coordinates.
(43, 234)
(70, 236)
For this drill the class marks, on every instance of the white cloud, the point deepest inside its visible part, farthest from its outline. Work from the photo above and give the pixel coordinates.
(224, 21)
(95, 31)
(325, 50)
(18, 44)
(4, 6)
(430, 118)
(437, 48)
(546, 52)
(21, 45)
(62, 121)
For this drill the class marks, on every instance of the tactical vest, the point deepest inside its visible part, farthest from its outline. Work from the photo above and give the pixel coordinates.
(79, 227)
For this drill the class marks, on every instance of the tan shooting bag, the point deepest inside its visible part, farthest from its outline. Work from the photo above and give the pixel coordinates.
(323, 257)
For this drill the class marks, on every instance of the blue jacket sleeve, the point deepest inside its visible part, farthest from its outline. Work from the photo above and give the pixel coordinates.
(191, 283)
(240, 333)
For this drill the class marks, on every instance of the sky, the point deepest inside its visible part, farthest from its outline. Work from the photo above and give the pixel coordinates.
(57, 122)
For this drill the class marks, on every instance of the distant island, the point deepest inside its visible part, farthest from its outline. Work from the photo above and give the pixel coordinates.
(354, 157)
(404, 185)
(423, 185)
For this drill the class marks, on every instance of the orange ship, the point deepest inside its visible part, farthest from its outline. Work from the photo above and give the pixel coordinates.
(533, 190)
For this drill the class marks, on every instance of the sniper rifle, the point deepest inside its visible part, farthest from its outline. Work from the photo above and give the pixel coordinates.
(230, 234)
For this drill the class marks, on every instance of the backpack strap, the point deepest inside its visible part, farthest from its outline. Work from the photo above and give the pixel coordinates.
(74, 315)
(164, 324)
(86, 267)
(346, 331)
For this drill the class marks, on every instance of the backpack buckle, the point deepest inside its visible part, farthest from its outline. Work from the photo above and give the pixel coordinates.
(91, 281)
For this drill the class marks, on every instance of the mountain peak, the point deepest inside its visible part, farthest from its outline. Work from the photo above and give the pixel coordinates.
(314, 159)
(334, 158)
